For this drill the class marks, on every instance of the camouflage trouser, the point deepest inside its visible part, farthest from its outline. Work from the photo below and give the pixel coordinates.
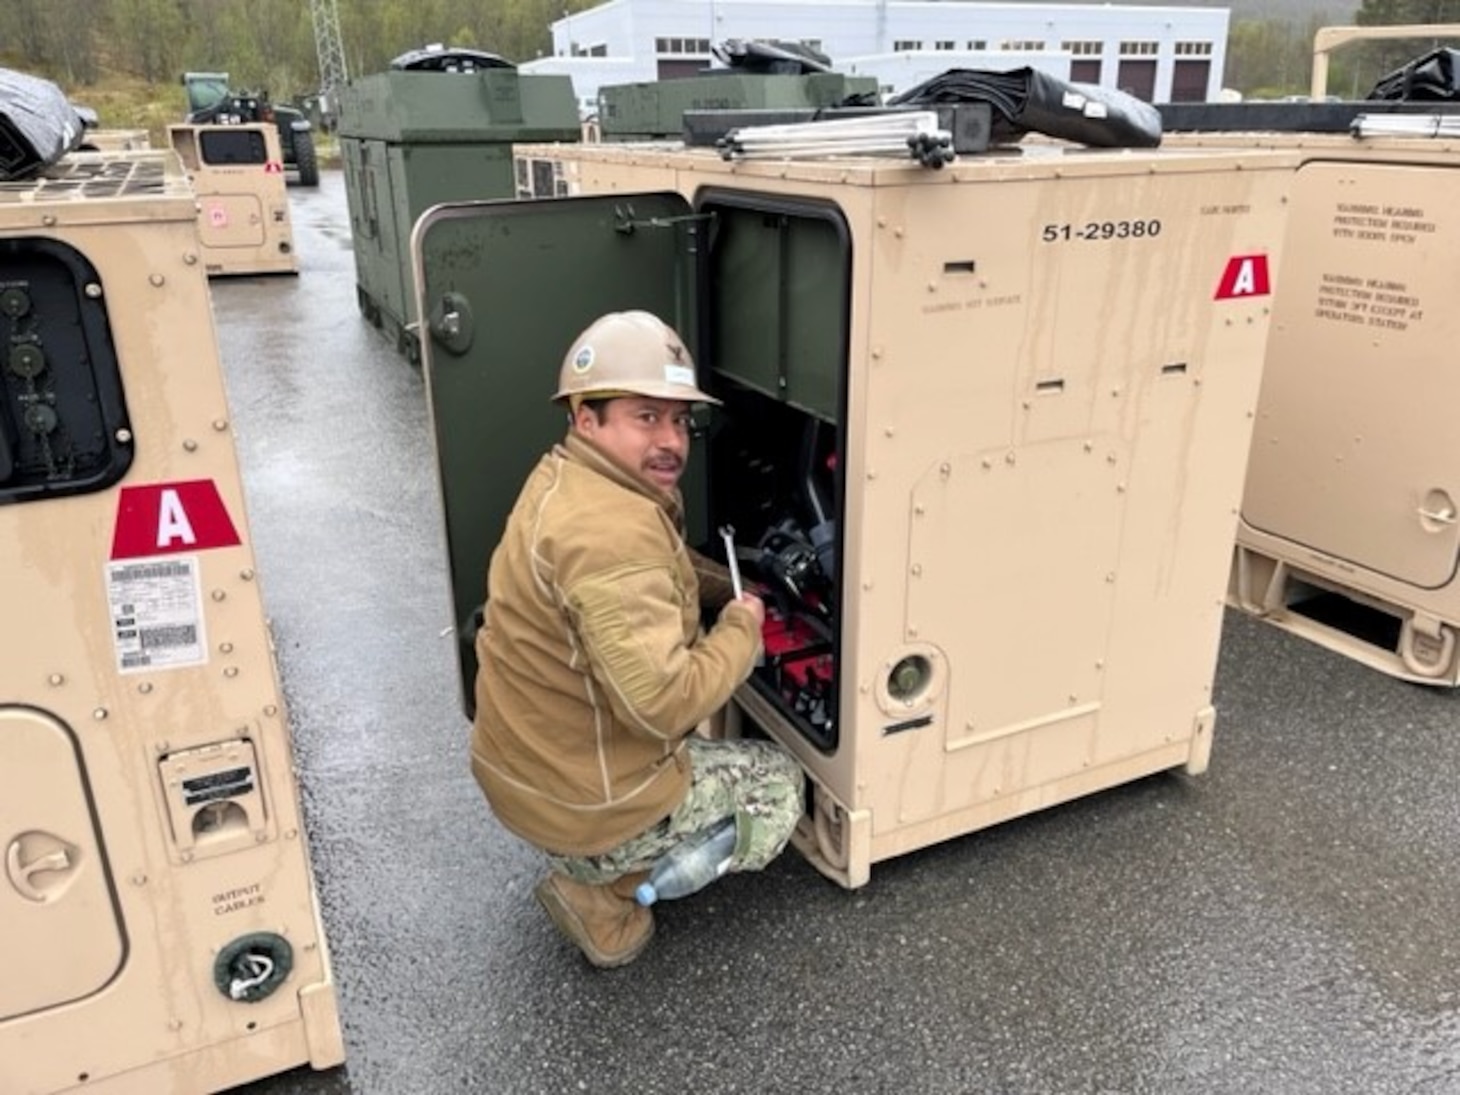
(756, 781)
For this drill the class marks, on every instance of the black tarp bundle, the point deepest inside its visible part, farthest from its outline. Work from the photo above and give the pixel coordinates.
(1025, 100)
(38, 125)
(1430, 78)
(773, 58)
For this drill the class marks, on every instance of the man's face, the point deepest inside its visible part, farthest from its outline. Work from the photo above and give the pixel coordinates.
(649, 436)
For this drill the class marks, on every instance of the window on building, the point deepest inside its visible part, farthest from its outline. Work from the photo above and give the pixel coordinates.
(945, 46)
(598, 50)
(684, 47)
(1021, 45)
(1084, 48)
(978, 43)
(1140, 49)
(1193, 49)
(906, 45)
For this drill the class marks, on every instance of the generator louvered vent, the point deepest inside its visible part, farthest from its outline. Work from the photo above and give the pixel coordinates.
(88, 177)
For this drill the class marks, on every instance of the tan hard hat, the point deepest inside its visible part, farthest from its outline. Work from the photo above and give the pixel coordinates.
(629, 353)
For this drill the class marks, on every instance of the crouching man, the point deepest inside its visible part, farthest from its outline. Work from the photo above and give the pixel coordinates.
(594, 667)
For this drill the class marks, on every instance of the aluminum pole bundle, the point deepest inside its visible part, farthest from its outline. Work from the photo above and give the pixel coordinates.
(1406, 125)
(908, 133)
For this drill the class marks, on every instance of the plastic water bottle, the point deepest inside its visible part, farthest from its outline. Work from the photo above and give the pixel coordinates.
(691, 866)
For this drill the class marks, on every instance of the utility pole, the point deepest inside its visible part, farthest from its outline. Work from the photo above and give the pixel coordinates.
(333, 75)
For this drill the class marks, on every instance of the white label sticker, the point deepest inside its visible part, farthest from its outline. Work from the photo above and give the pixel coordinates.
(679, 374)
(157, 613)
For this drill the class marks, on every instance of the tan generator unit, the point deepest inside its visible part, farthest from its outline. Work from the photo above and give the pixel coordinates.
(159, 930)
(243, 201)
(983, 439)
(1350, 531)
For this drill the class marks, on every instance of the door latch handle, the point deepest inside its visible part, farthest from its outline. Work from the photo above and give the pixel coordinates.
(21, 873)
(1444, 516)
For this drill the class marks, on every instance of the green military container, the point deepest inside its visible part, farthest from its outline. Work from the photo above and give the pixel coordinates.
(653, 111)
(437, 128)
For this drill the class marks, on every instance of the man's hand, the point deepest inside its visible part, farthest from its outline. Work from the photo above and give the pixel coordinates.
(753, 603)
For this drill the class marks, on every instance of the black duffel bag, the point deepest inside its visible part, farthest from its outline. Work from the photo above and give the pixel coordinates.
(38, 124)
(1427, 79)
(1025, 100)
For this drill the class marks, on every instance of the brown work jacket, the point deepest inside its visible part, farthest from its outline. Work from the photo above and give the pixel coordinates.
(593, 663)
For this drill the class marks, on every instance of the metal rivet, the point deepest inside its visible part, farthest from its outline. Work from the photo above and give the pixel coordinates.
(225, 648)
(190, 259)
(139, 879)
(99, 714)
(231, 671)
(190, 445)
(220, 424)
(55, 680)
(156, 280)
(271, 710)
(161, 747)
(917, 569)
(145, 687)
(123, 436)
(49, 220)
(246, 574)
(174, 1024)
(218, 595)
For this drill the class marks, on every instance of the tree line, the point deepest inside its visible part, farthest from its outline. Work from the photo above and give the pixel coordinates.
(260, 43)
(271, 43)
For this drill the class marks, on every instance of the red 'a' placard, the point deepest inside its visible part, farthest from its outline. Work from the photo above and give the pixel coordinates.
(168, 518)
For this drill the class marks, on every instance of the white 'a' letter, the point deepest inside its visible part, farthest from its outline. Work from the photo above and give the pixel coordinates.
(172, 521)
(1245, 283)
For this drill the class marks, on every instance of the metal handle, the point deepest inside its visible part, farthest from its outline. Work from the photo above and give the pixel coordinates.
(20, 873)
(1445, 516)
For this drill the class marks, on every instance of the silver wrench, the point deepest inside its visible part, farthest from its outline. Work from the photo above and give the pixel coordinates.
(727, 532)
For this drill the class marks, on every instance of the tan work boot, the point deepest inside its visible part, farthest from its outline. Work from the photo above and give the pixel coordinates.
(605, 921)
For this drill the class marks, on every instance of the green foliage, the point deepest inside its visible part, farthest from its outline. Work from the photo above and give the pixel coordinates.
(1366, 62)
(262, 44)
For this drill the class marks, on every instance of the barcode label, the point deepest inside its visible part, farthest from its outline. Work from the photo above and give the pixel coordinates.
(156, 613)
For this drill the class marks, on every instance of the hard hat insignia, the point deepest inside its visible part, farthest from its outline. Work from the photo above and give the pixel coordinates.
(583, 360)
(676, 351)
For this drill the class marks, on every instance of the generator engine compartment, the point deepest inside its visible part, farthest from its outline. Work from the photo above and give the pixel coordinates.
(776, 277)
(774, 479)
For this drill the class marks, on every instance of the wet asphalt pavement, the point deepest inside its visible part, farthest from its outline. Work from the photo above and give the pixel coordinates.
(1286, 923)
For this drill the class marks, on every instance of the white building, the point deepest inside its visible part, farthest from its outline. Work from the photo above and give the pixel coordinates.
(1161, 54)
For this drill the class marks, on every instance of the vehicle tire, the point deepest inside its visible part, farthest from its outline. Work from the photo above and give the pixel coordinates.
(306, 159)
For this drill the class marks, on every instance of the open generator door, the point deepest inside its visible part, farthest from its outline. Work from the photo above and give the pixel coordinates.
(503, 289)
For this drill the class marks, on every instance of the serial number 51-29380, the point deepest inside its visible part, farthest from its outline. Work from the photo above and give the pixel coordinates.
(1101, 230)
